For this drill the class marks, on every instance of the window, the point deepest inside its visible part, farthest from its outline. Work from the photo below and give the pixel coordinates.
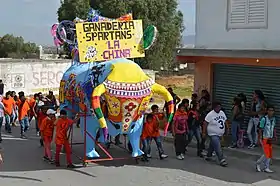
(247, 14)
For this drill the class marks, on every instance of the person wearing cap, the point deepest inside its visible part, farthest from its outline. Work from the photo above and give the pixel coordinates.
(47, 129)
(23, 110)
(63, 124)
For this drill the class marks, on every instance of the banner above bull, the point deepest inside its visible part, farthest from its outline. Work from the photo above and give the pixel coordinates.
(101, 41)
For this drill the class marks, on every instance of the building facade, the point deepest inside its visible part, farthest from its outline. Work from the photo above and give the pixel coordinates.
(237, 50)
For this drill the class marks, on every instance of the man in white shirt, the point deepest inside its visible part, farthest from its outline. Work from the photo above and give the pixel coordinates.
(215, 125)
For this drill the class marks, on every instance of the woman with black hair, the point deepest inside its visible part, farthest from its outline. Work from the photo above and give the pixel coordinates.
(204, 108)
(236, 120)
(258, 110)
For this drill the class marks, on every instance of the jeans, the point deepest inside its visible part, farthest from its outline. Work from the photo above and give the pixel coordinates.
(235, 125)
(8, 119)
(1, 123)
(147, 145)
(24, 124)
(253, 124)
(196, 133)
(180, 144)
(215, 145)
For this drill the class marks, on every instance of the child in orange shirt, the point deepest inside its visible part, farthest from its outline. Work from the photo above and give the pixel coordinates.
(41, 115)
(154, 134)
(23, 113)
(9, 105)
(63, 124)
(47, 128)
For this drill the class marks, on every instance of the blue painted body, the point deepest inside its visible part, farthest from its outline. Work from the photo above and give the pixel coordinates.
(85, 76)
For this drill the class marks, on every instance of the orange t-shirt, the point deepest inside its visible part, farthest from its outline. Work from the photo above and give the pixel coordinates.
(147, 130)
(62, 126)
(31, 103)
(23, 109)
(47, 127)
(9, 105)
(40, 118)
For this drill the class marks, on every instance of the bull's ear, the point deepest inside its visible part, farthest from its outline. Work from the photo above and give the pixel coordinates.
(97, 92)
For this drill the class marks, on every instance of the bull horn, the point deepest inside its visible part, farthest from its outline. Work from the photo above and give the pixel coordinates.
(161, 90)
(97, 92)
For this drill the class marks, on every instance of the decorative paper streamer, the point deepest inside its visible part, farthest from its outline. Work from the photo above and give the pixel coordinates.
(57, 42)
(149, 36)
(66, 32)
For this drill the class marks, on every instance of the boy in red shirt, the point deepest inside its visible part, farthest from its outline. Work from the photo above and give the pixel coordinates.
(46, 129)
(154, 134)
(63, 124)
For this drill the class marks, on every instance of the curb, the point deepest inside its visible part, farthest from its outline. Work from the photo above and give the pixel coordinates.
(238, 153)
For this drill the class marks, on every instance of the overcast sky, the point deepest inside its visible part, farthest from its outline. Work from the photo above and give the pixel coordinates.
(32, 19)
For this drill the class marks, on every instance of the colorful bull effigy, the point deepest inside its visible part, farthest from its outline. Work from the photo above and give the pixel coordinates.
(100, 47)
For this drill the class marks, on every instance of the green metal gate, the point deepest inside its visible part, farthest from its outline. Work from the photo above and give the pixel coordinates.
(229, 80)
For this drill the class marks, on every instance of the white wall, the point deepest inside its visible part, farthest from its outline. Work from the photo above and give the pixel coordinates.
(211, 32)
(32, 76)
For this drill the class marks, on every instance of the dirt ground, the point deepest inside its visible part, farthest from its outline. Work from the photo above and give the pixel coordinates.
(181, 85)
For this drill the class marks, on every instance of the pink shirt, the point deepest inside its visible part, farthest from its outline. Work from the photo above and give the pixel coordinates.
(180, 124)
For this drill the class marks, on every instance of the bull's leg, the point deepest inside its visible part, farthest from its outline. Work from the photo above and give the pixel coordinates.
(92, 128)
(134, 137)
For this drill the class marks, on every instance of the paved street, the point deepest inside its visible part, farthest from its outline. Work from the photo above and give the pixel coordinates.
(23, 166)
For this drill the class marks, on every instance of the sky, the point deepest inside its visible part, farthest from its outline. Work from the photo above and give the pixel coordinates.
(32, 19)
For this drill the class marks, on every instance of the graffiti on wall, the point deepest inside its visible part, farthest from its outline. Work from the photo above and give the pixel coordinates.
(46, 78)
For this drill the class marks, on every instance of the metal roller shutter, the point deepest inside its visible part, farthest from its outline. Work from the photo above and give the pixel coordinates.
(229, 80)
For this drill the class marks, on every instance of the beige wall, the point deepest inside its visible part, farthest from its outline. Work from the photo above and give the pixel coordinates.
(202, 76)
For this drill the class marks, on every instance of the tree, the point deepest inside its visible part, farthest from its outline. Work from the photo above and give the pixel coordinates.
(161, 13)
(11, 46)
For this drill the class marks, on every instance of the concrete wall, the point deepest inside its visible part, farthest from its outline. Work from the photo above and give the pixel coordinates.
(32, 76)
(212, 33)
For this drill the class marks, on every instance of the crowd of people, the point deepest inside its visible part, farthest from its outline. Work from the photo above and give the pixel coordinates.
(197, 118)
(44, 110)
(204, 120)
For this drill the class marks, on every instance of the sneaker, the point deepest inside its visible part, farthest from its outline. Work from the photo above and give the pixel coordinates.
(258, 168)
(179, 157)
(71, 166)
(45, 158)
(251, 146)
(163, 156)
(23, 136)
(223, 163)
(38, 133)
(182, 155)
(267, 170)
(51, 161)
(232, 147)
(149, 156)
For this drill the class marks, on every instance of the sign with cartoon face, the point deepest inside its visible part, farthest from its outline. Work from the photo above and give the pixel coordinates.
(100, 41)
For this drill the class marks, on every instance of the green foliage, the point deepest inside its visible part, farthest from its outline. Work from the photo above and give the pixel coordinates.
(15, 47)
(161, 13)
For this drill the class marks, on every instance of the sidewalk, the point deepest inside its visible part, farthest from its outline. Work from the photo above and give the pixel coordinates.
(238, 152)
